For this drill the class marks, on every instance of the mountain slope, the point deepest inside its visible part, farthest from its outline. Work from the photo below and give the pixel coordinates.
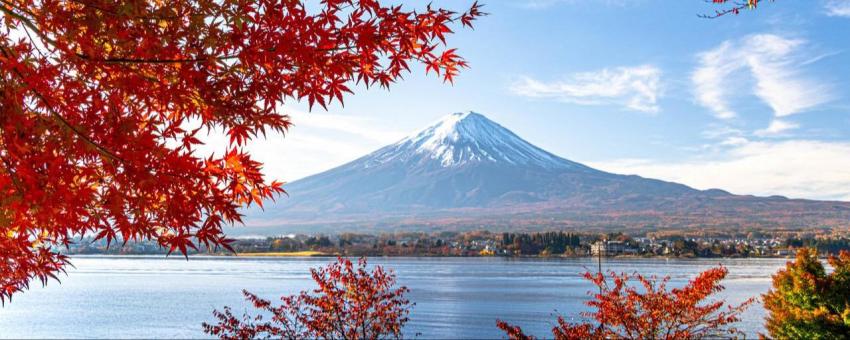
(466, 165)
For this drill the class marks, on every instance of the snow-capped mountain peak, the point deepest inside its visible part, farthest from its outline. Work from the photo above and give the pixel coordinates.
(468, 167)
(463, 138)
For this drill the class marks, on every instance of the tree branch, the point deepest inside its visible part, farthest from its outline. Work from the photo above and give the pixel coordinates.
(58, 117)
(152, 61)
(26, 21)
(733, 10)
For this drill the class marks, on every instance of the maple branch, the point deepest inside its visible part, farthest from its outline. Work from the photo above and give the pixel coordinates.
(27, 30)
(152, 61)
(733, 10)
(12, 5)
(112, 12)
(102, 150)
(58, 117)
(26, 21)
(87, 68)
(187, 60)
(12, 175)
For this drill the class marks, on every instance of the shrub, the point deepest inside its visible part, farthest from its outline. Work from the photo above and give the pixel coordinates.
(349, 303)
(649, 310)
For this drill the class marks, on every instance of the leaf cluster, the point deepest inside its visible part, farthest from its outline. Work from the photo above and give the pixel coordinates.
(351, 302)
(649, 310)
(807, 302)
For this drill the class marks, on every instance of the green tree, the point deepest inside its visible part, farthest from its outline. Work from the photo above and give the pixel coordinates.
(806, 302)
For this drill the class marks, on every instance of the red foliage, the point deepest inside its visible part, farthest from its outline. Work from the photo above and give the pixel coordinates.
(735, 8)
(650, 310)
(350, 303)
(512, 331)
(101, 103)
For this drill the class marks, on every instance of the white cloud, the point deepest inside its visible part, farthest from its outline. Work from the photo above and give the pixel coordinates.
(636, 88)
(316, 142)
(734, 141)
(778, 79)
(838, 8)
(776, 127)
(717, 131)
(773, 62)
(346, 124)
(794, 168)
(708, 80)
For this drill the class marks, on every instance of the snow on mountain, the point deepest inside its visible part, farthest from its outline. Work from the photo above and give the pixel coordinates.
(463, 138)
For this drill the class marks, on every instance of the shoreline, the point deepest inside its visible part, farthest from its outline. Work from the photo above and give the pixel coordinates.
(318, 254)
(305, 253)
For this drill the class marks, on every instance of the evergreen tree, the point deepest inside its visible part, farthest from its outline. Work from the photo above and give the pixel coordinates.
(806, 302)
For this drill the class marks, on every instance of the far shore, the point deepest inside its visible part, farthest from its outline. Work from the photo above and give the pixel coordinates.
(312, 253)
(306, 253)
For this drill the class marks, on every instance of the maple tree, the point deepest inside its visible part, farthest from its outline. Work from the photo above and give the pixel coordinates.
(806, 302)
(102, 103)
(735, 8)
(349, 303)
(649, 310)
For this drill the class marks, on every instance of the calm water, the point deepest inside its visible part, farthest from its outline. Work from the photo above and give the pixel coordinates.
(154, 297)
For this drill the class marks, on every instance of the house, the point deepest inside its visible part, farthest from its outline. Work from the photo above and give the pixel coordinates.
(784, 252)
(609, 248)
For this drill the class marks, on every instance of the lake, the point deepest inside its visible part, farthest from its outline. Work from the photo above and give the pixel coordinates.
(155, 297)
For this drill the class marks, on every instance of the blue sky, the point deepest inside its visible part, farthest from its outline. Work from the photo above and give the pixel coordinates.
(755, 104)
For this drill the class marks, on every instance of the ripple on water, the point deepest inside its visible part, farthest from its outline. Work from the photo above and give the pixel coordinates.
(157, 297)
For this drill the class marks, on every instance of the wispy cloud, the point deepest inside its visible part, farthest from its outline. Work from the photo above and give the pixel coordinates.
(357, 126)
(794, 168)
(838, 8)
(316, 142)
(709, 77)
(720, 131)
(636, 88)
(779, 81)
(776, 127)
(773, 62)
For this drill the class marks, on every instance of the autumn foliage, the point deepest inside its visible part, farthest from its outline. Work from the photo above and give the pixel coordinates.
(649, 310)
(733, 7)
(351, 302)
(806, 302)
(102, 103)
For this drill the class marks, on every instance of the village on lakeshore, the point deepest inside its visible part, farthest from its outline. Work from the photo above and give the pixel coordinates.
(485, 243)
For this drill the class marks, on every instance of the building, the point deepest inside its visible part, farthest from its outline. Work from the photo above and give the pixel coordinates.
(785, 252)
(608, 248)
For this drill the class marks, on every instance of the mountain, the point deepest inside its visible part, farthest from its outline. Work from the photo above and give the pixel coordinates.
(467, 169)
